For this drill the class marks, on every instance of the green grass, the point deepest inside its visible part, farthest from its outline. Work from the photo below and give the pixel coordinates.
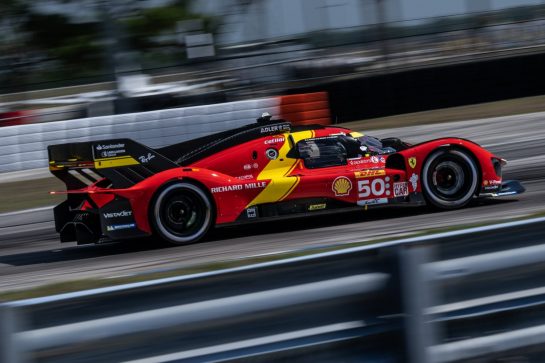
(29, 194)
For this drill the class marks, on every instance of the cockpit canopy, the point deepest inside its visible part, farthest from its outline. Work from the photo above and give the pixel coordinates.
(335, 150)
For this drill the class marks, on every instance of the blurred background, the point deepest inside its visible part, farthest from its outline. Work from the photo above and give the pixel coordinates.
(65, 59)
(381, 63)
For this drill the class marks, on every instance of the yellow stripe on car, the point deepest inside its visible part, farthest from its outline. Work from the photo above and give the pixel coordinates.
(281, 185)
(115, 162)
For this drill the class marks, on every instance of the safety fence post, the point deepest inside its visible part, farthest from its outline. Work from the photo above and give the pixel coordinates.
(9, 326)
(417, 295)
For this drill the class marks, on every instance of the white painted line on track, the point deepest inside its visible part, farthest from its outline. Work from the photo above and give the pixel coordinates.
(40, 209)
(267, 254)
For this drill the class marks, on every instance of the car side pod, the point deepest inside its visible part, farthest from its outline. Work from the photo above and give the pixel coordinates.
(511, 187)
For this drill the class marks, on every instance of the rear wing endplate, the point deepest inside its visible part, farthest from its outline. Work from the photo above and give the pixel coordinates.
(124, 162)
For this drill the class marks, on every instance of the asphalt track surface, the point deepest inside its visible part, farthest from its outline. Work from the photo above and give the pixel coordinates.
(31, 254)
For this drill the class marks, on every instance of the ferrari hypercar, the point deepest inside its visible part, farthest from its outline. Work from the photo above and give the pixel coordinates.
(119, 188)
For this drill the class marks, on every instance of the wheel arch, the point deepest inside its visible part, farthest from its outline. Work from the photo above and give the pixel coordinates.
(432, 198)
(206, 191)
(168, 183)
(462, 148)
(190, 180)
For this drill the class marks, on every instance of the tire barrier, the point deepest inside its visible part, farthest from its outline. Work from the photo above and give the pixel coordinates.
(305, 109)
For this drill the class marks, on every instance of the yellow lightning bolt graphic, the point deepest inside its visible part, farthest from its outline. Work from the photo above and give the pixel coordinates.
(281, 185)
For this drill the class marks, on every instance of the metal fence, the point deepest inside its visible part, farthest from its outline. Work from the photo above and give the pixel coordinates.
(472, 295)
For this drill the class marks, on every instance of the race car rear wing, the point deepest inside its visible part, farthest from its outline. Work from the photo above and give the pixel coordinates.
(123, 162)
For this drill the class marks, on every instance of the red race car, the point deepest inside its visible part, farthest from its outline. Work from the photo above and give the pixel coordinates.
(118, 189)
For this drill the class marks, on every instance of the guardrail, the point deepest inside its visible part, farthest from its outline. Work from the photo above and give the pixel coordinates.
(466, 295)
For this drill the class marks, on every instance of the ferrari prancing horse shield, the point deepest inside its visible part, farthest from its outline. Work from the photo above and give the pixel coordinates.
(412, 162)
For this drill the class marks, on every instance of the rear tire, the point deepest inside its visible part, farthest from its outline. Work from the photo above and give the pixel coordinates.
(181, 213)
(449, 178)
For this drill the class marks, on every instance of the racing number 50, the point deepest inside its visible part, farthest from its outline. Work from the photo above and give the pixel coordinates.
(376, 187)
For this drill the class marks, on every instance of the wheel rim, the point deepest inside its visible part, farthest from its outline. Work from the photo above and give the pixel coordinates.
(182, 213)
(449, 178)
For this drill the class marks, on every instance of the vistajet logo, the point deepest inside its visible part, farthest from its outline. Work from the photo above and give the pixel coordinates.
(123, 213)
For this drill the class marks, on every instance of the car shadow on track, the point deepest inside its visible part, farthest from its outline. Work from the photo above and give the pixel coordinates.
(73, 253)
(312, 222)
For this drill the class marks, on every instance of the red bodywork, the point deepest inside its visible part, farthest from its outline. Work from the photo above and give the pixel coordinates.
(263, 178)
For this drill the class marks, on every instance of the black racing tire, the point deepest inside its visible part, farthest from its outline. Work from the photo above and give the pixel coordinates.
(449, 178)
(181, 213)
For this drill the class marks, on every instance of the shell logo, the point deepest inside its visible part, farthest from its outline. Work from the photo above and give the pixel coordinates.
(341, 186)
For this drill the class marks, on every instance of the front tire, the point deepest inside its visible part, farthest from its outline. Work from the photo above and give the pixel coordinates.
(181, 213)
(449, 178)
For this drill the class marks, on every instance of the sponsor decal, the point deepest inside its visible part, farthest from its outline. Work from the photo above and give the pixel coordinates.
(111, 153)
(317, 206)
(237, 187)
(272, 154)
(412, 162)
(110, 150)
(226, 188)
(492, 187)
(245, 177)
(109, 147)
(146, 158)
(275, 128)
(276, 140)
(116, 227)
(251, 212)
(329, 137)
(373, 201)
(369, 173)
(414, 181)
(358, 161)
(492, 182)
(374, 159)
(341, 186)
(401, 189)
(373, 188)
(255, 185)
(255, 165)
(123, 213)
(247, 166)
(382, 159)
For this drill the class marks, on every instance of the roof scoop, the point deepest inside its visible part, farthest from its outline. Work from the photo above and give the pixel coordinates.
(265, 117)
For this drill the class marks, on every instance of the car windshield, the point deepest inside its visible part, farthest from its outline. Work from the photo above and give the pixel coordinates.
(372, 145)
(322, 152)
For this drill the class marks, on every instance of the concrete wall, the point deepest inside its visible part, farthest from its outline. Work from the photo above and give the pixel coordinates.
(24, 147)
